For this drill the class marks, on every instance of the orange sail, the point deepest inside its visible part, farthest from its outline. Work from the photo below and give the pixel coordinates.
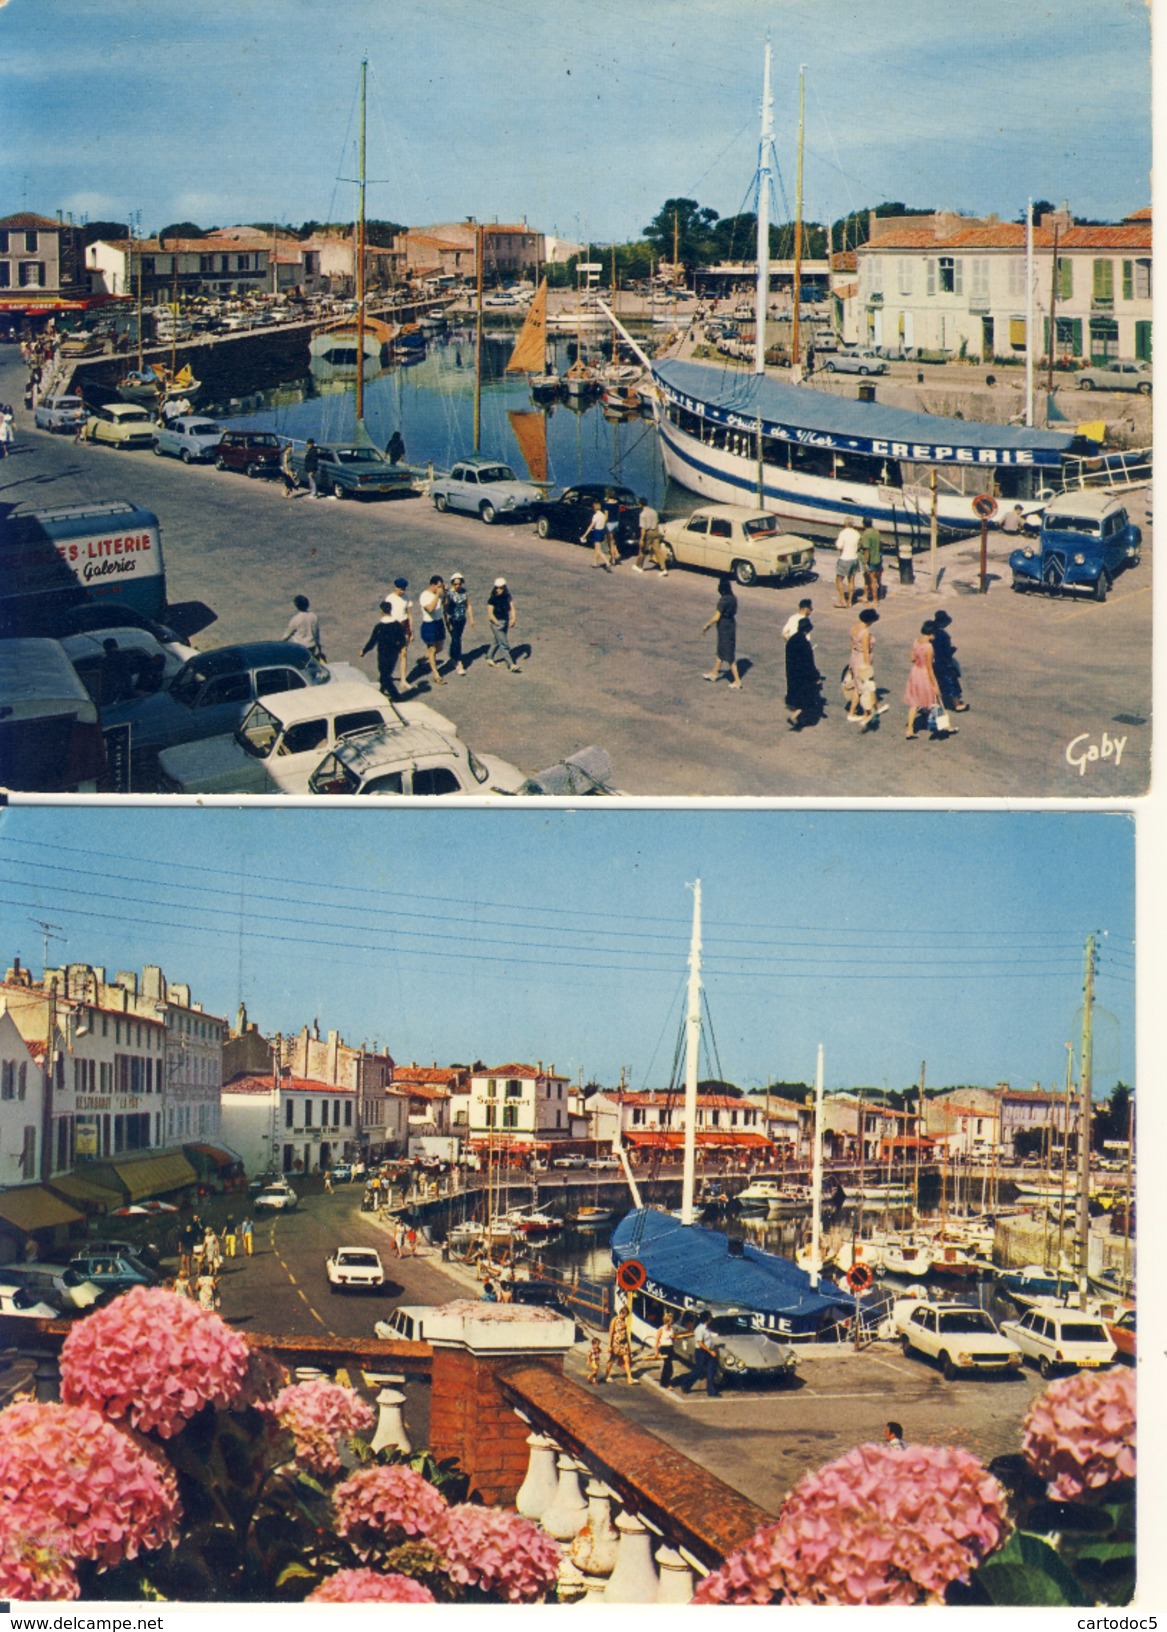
(530, 353)
(530, 428)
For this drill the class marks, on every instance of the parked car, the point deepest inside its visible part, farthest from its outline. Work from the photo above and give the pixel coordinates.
(258, 453)
(211, 692)
(606, 1162)
(57, 1283)
(484, 488)
(189, 438)
(570, 1161)
(1086, 539)
(341, 1172)
(730, 538)
(140, 666)
(1122, 1333)
(139, 1252)
(60, 413)
(120, 425)
(81, 343)
(91, 616)
(861, 360)
(350, 471)
(355, 1267)
(743, 1352)
(279, 1199)
(568, 515)
(1061, 1338)
(1116, 376)
(278, 744)
(21, 1301)
(409, 759)
(117, 1271)
(958, 1337)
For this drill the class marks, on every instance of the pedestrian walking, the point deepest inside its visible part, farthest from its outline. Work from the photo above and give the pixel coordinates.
(288, 471)
(5, 435)
(871, 555)
(593, 1361)
(790, 627)
(945, 665)
(725, 618)
(664, 1348)
(619, 1345)
(206, 1291)
(328, 1181)
(503, 615)
(304, 627)
(862, 702)
(230, 1239)
(395, 448)
(596, 534)
(411, 1241)
(921, 693)
(432, 603)
(212, 1250)
(390, 638)
(893, 1434)
(311, 466)
(399, 1238)
(650, 545)
(182, 1286)
(847, 565)
(458, 613)
(804, 683)
(247, 1236)
(612, 526)
(704, 1358)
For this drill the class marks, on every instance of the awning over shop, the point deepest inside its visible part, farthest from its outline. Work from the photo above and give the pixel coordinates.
(33, 1208)
(219, 1155)
(46, 303)
(84, 1192)
(138, 1176)
(707, 1139)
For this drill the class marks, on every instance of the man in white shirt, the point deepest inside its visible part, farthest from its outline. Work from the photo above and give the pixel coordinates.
(847, 566)
(790, 627)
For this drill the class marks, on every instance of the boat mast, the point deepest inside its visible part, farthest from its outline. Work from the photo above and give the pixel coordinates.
(1085, 1095)
(692, 1044)
(919, 1133)
(762, 292)
(1029, 314)
(816, 1216)
(139, 241)
(794, 337)
(1065, 1158)
(360, 269)
(479, 245)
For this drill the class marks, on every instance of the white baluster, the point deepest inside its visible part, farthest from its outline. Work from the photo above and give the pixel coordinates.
(676, 1578)
(537, 1491)
(594, 1548)
(633, 1581)
(567, 1510)
(391, 1433)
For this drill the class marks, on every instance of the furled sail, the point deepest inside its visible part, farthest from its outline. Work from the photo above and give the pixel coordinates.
(530, 353)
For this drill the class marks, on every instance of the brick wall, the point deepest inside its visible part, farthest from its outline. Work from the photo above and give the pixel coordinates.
(470, 1420)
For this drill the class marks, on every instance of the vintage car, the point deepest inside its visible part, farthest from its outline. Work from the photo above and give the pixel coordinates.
(21, 1301)
(279, 743)
(117, 1271)
(120, 425)
(353, 471)
(857, 361)
(568, 515)
(60, 414)
(743, 1352)
(409, 759)
(189, 437)
(730, 538)
(354, 1267)
(257, 453)
(280, 1198)
(56, 1283)
(137, 665)
(1122, 1333)
(484, 488)
(1086, 539)
(1057, 1338)
(1117, 376)
(958, 1337)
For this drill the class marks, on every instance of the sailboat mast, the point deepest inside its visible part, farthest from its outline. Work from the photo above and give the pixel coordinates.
(795, 350)
(816, 1217)
(765, 149)
(1065, 1155)
(1029, 314)
(1085, 1097)
(692, 1043)
(480, 241)
(360, 269)
(919, 1136)
(139, 238)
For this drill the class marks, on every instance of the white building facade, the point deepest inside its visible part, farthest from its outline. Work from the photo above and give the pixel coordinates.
(522, 1102)
(290, 1125)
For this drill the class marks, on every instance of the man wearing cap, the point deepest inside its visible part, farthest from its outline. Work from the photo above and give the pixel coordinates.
(503, 616)
(391, 635)
(459, 613)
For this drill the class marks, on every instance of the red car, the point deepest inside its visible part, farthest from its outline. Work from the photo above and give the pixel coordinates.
(256, 452)
(1122, 1333)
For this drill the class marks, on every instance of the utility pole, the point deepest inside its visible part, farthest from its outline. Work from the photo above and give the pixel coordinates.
(692, 1042)
(1085, 1095)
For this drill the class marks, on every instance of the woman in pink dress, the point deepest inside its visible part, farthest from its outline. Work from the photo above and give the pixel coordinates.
(922, 691)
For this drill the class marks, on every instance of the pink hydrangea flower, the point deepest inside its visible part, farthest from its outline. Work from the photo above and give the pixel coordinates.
(317, 1414)
(383, 1505)
(36, 1564)
(154, 1358)
(1080, 1434)
(109, 1497)
(367, 1587)
(498, 1552)
(877, 1526)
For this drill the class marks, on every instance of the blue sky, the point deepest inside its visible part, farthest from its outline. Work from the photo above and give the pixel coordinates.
(584, 117)
(563, 936)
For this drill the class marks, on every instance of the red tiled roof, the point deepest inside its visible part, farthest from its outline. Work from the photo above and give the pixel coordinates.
(417, 1090)
(1139, 215)
(26, 221)
(1011, 235)
(527, 1071)
(254, 1082)
(843, 261)
(439, 1075)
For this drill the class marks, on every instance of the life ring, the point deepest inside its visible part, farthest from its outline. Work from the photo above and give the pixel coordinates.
(859, 1277)
(631, 1275)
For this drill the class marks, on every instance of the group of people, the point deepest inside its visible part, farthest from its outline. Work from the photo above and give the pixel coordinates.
(201, 1252)
(703, 1368)
(859, 564)
(446, 613)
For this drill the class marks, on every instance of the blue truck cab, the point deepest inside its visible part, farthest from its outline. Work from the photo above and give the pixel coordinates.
(54, 560)
(1086, 538)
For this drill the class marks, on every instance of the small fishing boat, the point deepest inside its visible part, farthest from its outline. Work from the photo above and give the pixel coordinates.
(910, 1259)
(591, 1218)
(1032, 1282)
(581, 380)
(532, 1223)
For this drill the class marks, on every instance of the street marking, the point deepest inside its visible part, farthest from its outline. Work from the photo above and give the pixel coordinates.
(292, 1278)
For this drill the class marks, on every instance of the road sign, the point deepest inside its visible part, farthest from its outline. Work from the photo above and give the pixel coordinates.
(985, 506)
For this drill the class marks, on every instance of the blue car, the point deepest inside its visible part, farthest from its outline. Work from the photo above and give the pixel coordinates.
(1086, 539)
(190, 437)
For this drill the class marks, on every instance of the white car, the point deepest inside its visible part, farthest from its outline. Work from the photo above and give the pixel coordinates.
(279, 743)
(19, 1300)
(190, 438)
(60, 414)
(485, 488)
(959, 1337)
(354, 1266)
(410, 759)
(731, 538)
(861, 361)
(1057, 1338)
(140, 666)
(281, 1198)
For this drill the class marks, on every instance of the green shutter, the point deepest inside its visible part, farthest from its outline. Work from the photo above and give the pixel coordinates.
(1128, 280)
(1104, 280)
(1143, 342)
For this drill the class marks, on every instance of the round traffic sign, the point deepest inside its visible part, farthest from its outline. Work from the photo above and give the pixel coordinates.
(985, 506)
